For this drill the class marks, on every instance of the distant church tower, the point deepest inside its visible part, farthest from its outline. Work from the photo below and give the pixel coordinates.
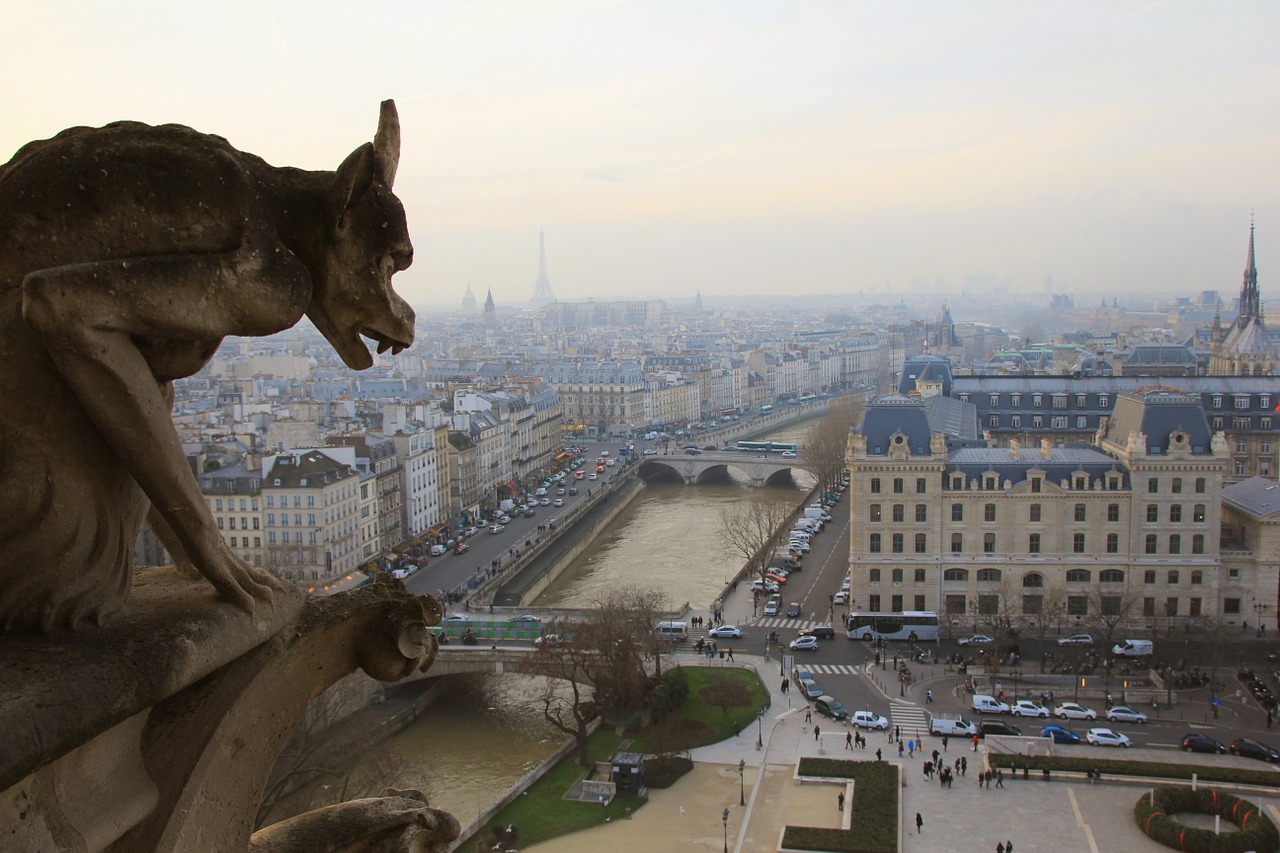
(697, 301)
(490, 317)
(1244, 348)
(468, 301)
(542, 287)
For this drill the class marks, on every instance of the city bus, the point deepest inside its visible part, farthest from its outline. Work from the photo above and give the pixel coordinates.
(764, 410)
(918, 625)
(766, 446)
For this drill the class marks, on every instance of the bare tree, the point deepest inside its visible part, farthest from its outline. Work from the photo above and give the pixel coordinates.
(602, 662)
(750, 530)
(827, 440)
(1052, 607)
(1110, 607)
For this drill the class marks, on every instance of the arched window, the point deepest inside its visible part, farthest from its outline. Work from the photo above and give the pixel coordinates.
(1034, 580)
(1078, 576)
(955, 575)
(989, 575)
(1111, 576)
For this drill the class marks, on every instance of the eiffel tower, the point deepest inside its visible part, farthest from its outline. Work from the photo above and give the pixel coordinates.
(542, 287)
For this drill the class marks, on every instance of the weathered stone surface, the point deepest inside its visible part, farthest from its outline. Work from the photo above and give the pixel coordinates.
(158, 732)
(127, 253)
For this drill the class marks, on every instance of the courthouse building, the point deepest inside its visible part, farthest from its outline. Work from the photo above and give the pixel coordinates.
(995, 535)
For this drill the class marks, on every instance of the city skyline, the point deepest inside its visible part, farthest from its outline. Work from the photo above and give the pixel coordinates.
(739, 150)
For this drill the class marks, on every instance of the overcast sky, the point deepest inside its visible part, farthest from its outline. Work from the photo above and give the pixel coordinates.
(735, 147)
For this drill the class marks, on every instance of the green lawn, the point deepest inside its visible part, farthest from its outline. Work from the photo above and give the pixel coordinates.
(542, 813)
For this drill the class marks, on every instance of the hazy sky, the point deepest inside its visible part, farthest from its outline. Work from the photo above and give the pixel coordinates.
(732, 147)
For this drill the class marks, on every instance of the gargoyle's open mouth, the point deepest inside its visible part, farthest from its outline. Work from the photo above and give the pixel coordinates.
(385, 342)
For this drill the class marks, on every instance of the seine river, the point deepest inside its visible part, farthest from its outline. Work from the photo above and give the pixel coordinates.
(481, 737)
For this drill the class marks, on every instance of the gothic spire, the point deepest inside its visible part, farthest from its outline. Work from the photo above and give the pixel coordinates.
(1250, 305)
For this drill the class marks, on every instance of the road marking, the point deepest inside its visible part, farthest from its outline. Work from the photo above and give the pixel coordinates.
(1088, 831)
(1166, 745)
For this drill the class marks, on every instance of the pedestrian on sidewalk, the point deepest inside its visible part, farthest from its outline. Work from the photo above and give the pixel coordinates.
(808, 714)
(897, 733)
(816, 731)
(840, 801)
(879, 756)
(919, 824)
(848, 740)
(964, 766)
(1000, 847)
(944, 743)
(901, 749)
(999, 778)
(935, 756)
(731, 654)
(975, 743)
(1008, 847)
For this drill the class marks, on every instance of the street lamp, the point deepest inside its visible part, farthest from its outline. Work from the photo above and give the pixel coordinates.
(725, 819)
(760, 729)
(742, 791)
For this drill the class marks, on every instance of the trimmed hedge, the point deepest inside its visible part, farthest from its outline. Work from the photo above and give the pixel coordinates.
(1150, 769)
(663, 774)
(1255, 832)
(874, 809)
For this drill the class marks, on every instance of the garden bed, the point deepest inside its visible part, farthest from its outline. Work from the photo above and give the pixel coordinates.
(873, 809)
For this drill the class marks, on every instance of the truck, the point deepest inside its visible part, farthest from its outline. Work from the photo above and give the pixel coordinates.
(952, 725)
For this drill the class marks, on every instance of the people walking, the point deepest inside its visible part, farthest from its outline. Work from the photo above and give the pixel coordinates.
(848, 740)
(999, 778)
(840, 801)
(816, 731)
(808, 714)
(919, 824)
(879, 756)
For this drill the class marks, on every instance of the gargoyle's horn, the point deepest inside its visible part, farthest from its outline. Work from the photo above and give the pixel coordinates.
(386, 145)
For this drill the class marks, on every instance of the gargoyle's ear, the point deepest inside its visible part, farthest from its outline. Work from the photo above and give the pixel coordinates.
(351, 182)
(386, 144)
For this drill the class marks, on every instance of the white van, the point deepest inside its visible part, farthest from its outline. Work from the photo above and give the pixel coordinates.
(1132, 649)
(438, 550)
(984, 704)
(809, 525)
(673, 630)
(952, 726)
(817, 513)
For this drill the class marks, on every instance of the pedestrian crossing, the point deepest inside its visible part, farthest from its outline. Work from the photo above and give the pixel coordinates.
(778, 622)
(910, 718)
(827, 668)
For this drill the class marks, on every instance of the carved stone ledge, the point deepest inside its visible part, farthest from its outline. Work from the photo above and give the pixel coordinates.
(157, 732)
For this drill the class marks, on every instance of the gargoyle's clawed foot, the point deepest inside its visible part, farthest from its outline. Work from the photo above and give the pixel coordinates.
(243, 586)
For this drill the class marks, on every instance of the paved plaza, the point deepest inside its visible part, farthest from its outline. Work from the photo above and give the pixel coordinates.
(1037, 816)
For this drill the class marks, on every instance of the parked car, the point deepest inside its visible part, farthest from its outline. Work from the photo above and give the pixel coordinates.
(725, 632)
(1196, 742)
(975, 640)
(1027, 708)
(830, 707)
(804, 644)
(1247, 748)
(1107, 737)
(822, 632)
(1060, 734)
(998, 727)
(985, 704)
(525, 620)
(793, 610)
(1076, 640)
(842, 597)
(809, 688)
(1125, 714)
(869, 720)
(1074, 711)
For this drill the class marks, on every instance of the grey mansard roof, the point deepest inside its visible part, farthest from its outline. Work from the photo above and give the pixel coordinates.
(1159, 413)
(1256, 496)
(891, 414)
(1061, 464)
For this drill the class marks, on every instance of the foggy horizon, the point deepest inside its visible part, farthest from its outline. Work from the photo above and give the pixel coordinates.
(744, 149)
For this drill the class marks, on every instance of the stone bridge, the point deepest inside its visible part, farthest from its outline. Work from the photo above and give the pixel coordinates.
(760, 469)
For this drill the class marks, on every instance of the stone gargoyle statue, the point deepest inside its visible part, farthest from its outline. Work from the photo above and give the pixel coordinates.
(127, 253)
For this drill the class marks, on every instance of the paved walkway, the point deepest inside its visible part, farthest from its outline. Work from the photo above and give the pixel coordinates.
(1037, 816)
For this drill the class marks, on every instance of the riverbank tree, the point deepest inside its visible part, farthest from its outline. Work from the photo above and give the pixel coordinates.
(827, 441)
(751, 530)
(605, 661)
